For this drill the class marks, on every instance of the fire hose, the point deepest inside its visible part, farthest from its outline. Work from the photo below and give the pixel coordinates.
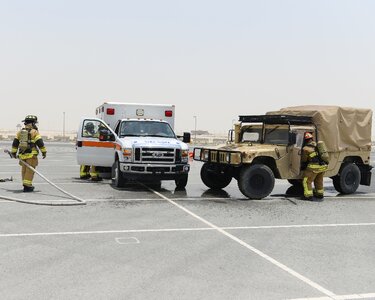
(79, 200)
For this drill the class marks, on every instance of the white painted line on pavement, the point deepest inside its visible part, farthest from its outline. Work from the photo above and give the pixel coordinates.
(132, 199)
(174, 199)
(251, 248)
(127, 240)
(178, 229)
(6, 235)
(341, 297)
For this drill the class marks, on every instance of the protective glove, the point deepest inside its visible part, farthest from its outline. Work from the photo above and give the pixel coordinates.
(13, 154)
(44, 154)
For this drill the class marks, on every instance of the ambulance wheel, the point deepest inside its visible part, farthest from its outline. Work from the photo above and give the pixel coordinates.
(347, 182)
(181, 181)
(213, 177)
(256, 181)
(118, 178)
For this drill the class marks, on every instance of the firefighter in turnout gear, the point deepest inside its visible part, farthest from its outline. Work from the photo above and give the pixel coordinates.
(314, 171)
(87, 172)
(27, 142)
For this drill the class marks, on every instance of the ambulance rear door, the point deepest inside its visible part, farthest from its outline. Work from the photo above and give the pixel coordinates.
(90, 149)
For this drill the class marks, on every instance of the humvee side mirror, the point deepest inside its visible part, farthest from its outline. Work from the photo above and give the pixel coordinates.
(106, 135)
(186, 137)
(230, 135)
(292, 138)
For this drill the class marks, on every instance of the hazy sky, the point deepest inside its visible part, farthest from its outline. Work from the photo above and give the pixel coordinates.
(213, 59)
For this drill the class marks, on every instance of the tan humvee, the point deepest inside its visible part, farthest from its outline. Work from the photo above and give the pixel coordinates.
(264, 147)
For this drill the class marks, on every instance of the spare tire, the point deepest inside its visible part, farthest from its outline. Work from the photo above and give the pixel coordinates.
(213, 177)
(256, 181)
(347, 182)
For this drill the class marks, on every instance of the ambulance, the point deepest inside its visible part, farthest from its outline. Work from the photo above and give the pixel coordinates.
(135, 142)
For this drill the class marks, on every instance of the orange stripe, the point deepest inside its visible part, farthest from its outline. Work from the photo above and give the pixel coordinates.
(118, 147)
(98, 144)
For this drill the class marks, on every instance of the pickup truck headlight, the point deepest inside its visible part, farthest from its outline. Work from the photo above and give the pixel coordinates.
(127, 154)
(185, 155)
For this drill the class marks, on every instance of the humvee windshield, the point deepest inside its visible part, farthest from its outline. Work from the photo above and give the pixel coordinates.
(252, 134)
(274, 134)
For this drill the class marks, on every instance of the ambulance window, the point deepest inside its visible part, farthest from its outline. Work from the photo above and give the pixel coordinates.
(90, 128)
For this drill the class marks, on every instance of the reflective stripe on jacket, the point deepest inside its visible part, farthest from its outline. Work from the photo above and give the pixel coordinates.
(310, 155)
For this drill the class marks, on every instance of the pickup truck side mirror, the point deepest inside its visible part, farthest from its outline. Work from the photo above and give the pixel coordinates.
(106, 135)
(292, 138)
(186, 137)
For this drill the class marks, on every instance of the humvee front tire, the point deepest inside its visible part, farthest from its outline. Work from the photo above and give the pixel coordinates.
(213, 177)
(348, 180)
(256, 181)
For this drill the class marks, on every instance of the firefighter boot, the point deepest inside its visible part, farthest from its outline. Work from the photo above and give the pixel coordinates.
(27, 189)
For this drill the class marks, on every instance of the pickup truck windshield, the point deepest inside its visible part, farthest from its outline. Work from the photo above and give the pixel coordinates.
(146, 128)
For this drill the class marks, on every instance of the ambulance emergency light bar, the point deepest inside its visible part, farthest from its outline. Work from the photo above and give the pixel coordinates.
(111, 112)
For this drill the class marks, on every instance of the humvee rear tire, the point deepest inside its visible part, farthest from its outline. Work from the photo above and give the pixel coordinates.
(296, 182)
(214, 178)
(118, 178)
(348, 180)
(256, 181)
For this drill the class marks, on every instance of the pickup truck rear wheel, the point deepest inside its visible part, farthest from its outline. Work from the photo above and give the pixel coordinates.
(348, 180)
(181, 181)
(118, 178)
(213, 177)
(256, 181)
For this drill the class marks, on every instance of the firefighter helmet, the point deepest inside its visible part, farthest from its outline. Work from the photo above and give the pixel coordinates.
(89, 126)
(308, 136)
(30, 119)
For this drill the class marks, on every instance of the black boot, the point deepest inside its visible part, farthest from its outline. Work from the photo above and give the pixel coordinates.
(319, 197)
(97, 178)
(27, 189)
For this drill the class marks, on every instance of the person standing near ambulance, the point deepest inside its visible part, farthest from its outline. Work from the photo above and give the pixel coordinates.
(27, 142)
(314, 171)
(87, 172)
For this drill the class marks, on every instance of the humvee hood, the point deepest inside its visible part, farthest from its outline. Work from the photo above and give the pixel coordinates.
(246, 147)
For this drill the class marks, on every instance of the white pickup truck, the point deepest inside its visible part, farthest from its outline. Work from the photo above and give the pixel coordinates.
(136, 141)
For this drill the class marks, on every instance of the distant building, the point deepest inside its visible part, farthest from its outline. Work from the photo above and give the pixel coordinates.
(200, 132)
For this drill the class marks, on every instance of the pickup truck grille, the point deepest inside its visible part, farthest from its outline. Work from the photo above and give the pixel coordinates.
(156, 155)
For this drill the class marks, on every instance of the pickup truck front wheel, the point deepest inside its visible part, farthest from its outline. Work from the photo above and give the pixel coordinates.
(213, 177)
(348, 180)
(181, 181)
(256, 181)
(118, 178)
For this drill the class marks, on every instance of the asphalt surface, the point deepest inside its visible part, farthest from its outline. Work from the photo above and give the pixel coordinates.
(137, 243)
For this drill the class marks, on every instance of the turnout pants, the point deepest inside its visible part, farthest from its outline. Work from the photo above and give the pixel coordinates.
(27, 174)
(309, 177)
(88, 171)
